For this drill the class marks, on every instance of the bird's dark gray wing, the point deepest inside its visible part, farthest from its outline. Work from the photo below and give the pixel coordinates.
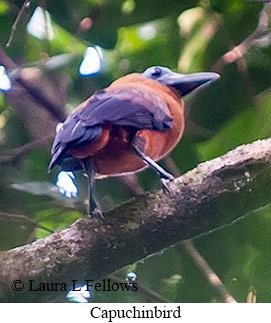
(121, 106)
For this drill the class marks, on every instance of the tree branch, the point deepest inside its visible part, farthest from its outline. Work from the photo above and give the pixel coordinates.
(9, 156)
(34, 90)
(19, 16)
(212, 195)
(210, 276)
(201, 264)
(259, 38)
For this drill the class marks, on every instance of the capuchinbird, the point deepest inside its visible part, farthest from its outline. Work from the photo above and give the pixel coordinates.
(131, 124)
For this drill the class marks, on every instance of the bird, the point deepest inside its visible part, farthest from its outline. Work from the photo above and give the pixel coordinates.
(126, 127)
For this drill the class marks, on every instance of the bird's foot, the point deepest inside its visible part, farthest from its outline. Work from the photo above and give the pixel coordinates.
(95, 213)
(165, 183)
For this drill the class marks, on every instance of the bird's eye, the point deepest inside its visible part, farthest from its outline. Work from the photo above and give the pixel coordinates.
(155, 71)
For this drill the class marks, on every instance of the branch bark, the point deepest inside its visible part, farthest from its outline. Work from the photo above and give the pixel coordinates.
(9, 156)
(37, 101)
(212, 195)
(259, 38)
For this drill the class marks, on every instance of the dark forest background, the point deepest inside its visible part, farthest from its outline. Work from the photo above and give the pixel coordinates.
(229, 37)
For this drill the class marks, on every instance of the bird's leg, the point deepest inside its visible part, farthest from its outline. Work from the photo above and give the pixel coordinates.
(138, 144)
(93, 209)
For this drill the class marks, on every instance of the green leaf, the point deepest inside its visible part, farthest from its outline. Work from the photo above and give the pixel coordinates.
(250, 125)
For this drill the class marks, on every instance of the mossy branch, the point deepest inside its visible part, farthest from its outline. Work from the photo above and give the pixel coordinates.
(212, 195)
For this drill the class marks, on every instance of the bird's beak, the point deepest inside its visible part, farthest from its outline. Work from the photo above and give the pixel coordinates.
(186, 83)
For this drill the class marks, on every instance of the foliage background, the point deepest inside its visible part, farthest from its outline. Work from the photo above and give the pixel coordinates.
(186, 36)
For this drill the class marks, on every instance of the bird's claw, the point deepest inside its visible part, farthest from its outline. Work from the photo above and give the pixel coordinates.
(95, 213)
(165, 185)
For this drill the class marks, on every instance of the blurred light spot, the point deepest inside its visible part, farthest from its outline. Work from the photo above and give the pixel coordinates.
(5, 83)
(4, 7)
(128, 6)
(100, 51)
(79, 296)
(92, 61)
(86, 24)
(147, 31)
(59, 126)
(189, 18)
(31, 73)
(39, 25)
(131, 277)
(4, 116)
(57, 61)
(3, 120)
(124, 65)
(3, 138)
(173, 280)
(237, 6)
(66, 185)
(262, 42)
(191, 55)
